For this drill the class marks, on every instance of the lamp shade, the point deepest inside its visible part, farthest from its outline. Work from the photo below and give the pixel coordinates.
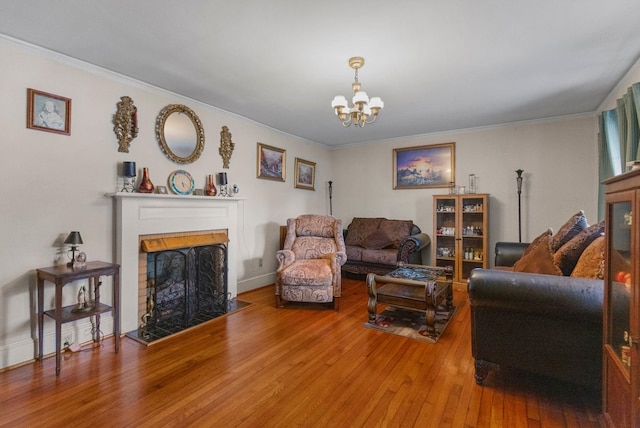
(339, 101)
(360, 97)
(128, 169)
(74, 238)
(376, 102)
(223, 178)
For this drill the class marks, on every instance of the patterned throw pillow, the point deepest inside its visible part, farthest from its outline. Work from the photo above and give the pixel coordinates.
(360, 228)
(538, 258)
(377, 240)
(398, 230)
(567, 256)
(591, 262)
(576, 224)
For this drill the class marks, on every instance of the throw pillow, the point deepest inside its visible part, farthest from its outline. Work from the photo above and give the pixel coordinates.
(360, 228)
(377, 240)
(567, 256)
(538, 257)
(591, 262)
(576, 224)
(398, 230)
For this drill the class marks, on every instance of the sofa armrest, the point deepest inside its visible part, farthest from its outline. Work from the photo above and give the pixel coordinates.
(508, 253)
(560, 297)
(412, 244)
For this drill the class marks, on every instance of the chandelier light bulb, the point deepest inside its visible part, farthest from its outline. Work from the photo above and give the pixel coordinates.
(364, 110)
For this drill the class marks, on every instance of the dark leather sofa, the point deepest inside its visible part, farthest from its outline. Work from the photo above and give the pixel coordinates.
(545, 324)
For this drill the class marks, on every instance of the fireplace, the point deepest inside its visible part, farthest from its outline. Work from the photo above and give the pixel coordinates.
(164, 220)
(182, 284)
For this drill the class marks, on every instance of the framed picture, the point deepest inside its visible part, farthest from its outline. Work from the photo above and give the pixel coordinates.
(424, 167)
(271, 162)
(161, 189)
(305, 174)
(198, 192)
(48, 112)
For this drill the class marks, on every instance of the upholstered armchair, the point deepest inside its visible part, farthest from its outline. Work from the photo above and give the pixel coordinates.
(310, 261)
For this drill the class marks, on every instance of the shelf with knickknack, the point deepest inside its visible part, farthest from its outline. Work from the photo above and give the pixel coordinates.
(461, 225)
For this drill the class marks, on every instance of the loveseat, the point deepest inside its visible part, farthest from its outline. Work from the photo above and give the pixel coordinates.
(544, 313)
(376, 245)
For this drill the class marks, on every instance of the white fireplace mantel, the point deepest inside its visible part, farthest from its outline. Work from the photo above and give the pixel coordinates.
(145, 214)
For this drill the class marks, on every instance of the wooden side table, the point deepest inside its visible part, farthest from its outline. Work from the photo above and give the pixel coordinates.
(62, 275)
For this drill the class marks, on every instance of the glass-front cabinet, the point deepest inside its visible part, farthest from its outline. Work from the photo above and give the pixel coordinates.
(621, 380)
(461, 233)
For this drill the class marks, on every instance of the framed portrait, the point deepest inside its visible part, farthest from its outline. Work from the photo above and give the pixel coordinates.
(48, 112)
(305, 174)
(424, 167)
(271, 162)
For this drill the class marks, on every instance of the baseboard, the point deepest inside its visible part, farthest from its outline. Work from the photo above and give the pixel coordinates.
(255, 282)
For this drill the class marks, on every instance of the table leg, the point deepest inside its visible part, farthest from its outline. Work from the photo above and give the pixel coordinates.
(96, 293)
(116, 309)
(40, 292)
(373, 297)
(430, 318)
(58, 317)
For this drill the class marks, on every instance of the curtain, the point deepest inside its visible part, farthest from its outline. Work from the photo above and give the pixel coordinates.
(619, 138)
(608, 153)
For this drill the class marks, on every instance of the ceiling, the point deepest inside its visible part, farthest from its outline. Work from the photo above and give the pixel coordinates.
(437, 65)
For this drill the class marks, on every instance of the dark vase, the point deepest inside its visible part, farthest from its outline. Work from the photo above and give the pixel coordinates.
(210, 190)
(146, 186)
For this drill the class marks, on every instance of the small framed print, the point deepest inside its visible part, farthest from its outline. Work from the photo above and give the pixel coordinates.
(305, 174)
(198, 192)
(48, 112)
(271, 162)
(161, 189)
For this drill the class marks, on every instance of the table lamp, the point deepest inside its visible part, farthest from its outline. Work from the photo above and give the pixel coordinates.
(74, 239)
(223, 183)
(129, 176)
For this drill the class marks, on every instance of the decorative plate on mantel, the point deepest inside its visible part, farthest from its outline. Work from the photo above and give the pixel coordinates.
(181, 182)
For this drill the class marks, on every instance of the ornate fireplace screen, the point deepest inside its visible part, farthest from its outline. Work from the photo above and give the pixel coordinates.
(185, 287)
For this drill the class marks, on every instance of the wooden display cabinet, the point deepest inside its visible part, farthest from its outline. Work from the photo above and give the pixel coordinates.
(621, 378)
(461, 233)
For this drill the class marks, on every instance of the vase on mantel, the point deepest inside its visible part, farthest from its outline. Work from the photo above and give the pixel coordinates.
(146, 186)
(210, 189)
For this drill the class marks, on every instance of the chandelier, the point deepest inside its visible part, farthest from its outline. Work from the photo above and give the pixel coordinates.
(364, 110)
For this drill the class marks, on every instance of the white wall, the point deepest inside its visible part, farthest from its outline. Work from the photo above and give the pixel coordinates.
(53, 184)
(559, 159)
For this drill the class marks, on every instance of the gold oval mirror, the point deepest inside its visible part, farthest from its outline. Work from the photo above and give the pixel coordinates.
(180, 135)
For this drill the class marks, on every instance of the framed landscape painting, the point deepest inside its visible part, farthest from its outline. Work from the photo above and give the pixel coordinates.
(48, 112)
(305, 174)
(271, 162)
(424, 167)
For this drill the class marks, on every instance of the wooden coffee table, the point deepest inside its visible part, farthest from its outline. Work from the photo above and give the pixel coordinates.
(413, 287)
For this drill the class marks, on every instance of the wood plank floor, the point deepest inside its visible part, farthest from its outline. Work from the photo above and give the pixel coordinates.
(300, 366)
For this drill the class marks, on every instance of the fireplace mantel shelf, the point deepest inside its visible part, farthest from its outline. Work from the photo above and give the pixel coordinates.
(171, 196)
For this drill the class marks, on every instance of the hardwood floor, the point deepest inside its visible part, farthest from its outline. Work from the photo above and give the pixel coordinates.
(298, 366)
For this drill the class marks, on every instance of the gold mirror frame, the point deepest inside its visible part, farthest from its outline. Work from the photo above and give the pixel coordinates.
(160, 124)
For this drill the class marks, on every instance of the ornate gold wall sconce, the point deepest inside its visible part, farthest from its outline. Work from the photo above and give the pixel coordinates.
(226, 146)
(125, 123)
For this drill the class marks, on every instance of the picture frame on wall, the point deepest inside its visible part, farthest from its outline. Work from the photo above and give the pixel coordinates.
(48, 112)
(424, 167)
(305, 174)
(271, 163)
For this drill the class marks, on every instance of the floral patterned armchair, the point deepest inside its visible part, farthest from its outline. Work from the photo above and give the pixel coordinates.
(310, 261)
